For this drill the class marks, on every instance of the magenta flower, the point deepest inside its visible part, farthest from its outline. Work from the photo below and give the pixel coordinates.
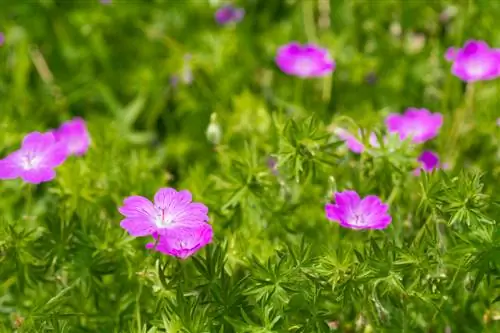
(183, 241)
(305, 61)
(350, 211)
(2, 38)
(429, 161)
(35, 161)
(476, 61)
(353, 143)
(74, 135)
(229, 14)
(418, 124)
(450, 54)
(180, 224)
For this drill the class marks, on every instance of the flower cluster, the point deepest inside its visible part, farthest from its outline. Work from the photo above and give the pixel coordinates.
(178, 225)
(41, 153)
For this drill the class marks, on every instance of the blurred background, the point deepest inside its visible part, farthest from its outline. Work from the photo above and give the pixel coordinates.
(157, 70)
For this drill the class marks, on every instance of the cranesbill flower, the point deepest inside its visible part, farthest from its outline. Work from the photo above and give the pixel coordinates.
(74, 135)
(183, 241)
(418, 124)
(2, 38)
(35, 161)
(353, 143)
(304, 61)
(429, 161)
(476, 61)
(229, 14)
(170, 210)
(350, 211)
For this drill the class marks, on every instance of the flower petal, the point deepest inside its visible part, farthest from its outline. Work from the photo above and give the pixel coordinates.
(138, 227)
(165, 197)
(138, 207)
(37, 176)
(183, 242)
(8, 169)
(38, 142)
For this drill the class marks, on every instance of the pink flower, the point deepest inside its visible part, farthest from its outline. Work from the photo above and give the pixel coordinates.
(180, 224)
(305, 61)
(450, 54)
(418, 124)
(183, 241)
(429, 161)
(2, 38)
(229, 14)
(353, 143)
(476, 61)
(35, 161)
(350, 211)
(74, 135)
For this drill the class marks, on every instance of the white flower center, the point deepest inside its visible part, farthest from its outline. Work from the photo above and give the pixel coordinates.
(357, 219)
(29, 161)
(163, 218)
(477, 67)
(304, 65)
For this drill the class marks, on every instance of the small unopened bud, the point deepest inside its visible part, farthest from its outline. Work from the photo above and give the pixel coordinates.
(214, 132)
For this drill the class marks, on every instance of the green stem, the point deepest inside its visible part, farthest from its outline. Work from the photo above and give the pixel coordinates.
(29, 200)
(462, 116)
(299, 90)
(308, 15)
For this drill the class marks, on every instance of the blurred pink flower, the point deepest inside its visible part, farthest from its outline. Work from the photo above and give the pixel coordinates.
(74, 135)
(418, 124)
(476, 61)
(304, 61)
(36, 160)
(353, 143)
(229, 14)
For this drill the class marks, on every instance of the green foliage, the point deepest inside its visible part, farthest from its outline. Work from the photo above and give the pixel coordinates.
(276, 263)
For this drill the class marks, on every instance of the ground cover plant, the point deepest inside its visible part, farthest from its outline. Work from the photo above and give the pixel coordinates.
(254, 166)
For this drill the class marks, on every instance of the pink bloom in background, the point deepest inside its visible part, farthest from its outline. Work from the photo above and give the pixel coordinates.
(353, 143)
(350, 211)
(229, 14)
(450, 54)
(418, 124)
(429, 161)
(180, 224)
(304, 61)
(105, 2)
(2, 38)
(35, 161)
(74, 135)
(183, 241)
(476, 61)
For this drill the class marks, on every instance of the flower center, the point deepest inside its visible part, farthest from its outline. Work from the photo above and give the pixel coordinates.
(163, 218)
(477, 67)
(357, 219)
(303, 65)
(29, 161)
